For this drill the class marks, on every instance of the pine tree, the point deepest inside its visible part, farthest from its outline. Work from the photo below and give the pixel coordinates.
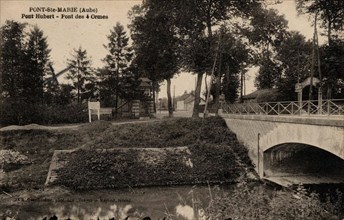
(81, 75)
(23, 65)
(37, 53)
(113, 76)
(12, 59)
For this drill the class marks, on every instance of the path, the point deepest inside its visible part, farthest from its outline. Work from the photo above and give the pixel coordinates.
(159, 115)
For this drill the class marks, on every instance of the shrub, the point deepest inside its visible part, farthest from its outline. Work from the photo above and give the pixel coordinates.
(72, 113)
(258, 202)
(12, 160)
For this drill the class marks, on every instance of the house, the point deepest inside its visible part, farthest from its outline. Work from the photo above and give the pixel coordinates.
(186, 101)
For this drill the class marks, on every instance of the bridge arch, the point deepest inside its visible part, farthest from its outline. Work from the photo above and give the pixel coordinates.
(296, 159)
(331, 140)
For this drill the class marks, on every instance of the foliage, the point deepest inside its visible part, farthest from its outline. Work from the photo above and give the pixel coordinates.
(120, 168)
(24, 62)
(81, 74)
(254, 202)
(208, 139)
(12, 59)
(269, 74)
(114, 76)
(294, 54)
(24, 65)
(38, 58)
(234, 56)
(155, 43)
(211, 147)
(331, 14)
(24, 57)
(15, 113)
(57, 114)
(266, 31)
(332, 67)
(334, 202)
(195, 22)
(11, 160)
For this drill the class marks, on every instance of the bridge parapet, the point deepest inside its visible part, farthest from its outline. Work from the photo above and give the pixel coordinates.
(334, 120)
(324, 107)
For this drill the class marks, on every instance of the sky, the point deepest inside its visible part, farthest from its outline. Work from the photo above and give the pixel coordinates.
(64, 35)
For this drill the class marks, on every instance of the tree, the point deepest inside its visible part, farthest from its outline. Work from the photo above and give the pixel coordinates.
(116, 63)
(330, 12)
(332, 65)
(80, 73)
(23, 65)
(195, 21)
(330, 15)
(37, 53)
(155, 43)
(12, 59)
(234, 56)
(266, 31)
(294, 55)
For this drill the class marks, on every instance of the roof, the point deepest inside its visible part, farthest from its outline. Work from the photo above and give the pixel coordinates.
(191, 98)
(145, 82)
(261, 92)
(185, 96)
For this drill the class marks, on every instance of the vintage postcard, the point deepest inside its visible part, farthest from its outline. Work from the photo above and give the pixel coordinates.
(171, 109)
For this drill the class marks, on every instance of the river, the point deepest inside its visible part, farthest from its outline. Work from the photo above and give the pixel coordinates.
(177, 202)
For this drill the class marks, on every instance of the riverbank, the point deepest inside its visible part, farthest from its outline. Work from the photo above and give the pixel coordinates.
(160, 152)
(213, 150)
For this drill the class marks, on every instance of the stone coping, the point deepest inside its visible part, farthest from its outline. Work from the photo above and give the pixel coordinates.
(323, 120)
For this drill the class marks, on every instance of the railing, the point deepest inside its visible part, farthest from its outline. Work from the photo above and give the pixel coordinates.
(325, 107)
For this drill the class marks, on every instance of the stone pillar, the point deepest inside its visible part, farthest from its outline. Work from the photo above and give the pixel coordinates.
(151, 108)
(135, 109)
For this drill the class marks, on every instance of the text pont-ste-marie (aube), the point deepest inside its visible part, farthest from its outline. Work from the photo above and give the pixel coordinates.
(62, 13)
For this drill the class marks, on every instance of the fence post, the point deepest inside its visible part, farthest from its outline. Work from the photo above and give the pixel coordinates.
(278, 108)
(328, 107)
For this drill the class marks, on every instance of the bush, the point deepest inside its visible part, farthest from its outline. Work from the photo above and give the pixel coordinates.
(72, 113)
(19, 113)
(258, 202)
(119, 169)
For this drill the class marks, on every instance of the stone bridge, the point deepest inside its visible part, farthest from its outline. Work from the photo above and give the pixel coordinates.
(293, 149)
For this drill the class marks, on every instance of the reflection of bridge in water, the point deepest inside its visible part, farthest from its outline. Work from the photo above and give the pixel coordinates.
(292, 143)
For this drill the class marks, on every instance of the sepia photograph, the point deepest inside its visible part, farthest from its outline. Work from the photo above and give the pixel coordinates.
(172, 110)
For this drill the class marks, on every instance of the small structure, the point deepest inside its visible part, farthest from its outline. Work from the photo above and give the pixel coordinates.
(146, 107)
(143, 107)
(307, 82)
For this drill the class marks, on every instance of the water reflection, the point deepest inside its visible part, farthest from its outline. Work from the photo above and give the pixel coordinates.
(127, 212)
(176, 202)
(77, 212)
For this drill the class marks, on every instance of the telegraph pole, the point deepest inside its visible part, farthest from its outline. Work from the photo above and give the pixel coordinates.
(313, 58)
